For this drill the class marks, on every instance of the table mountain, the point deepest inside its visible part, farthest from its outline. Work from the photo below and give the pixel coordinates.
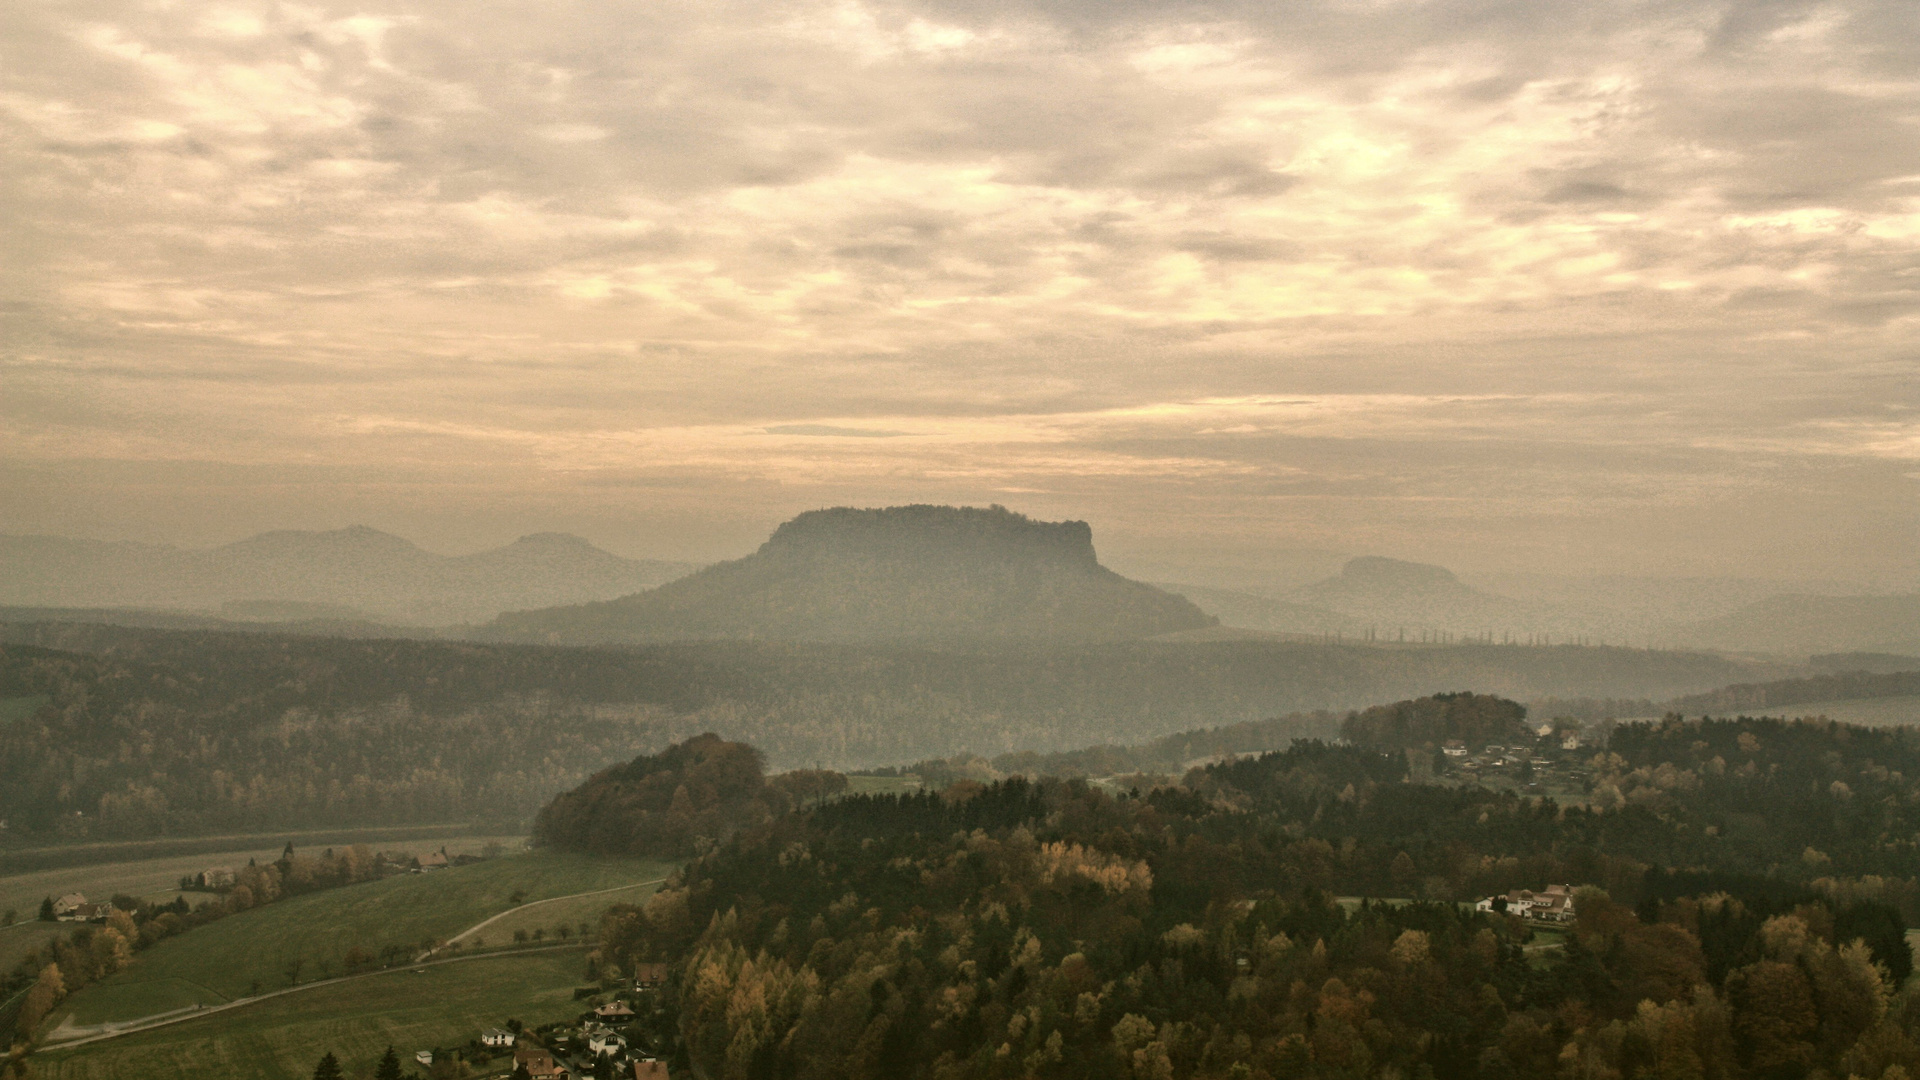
(913, 573)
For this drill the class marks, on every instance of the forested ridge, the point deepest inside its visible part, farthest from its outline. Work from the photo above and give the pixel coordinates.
(111, 732)
(1049, 929)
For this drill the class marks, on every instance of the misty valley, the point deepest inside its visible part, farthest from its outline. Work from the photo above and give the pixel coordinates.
(931, 793)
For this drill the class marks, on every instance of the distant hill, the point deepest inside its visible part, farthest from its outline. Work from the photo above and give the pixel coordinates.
(1879, 663)
(1757, 698)
(903, 573)
(355, 574)
(1250, 612)
(1389, 594)
(1814, 624)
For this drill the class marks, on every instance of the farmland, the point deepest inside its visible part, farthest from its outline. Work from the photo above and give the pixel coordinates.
(569, 912)
(307, 937)
(446, 1005)
(20, 939)
(158, 878)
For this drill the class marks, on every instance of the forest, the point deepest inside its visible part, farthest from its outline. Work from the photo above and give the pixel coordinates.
(1047, 928)
(676, 803)
(115, 732)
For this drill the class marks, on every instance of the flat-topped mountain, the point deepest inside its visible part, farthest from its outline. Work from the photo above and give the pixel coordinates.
(351, 573)
(1389, 592)
(900, 573)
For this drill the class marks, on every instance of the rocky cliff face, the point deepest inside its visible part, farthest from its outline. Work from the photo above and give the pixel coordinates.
(903, 573)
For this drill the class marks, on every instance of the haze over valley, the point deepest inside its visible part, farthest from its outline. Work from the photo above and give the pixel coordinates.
(947, 540)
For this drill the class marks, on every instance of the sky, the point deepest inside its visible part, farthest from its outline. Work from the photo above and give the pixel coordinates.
(1575, 288)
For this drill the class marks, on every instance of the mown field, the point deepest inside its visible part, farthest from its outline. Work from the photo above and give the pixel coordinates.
(22, 938)
(256, 951)
(159, 878)
(283, 1037)
(549, 917)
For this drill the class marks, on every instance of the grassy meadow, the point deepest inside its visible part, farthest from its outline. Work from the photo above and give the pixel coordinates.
(253, 952)
(159, 878)
(20, 939)
(19, 708)
(283, 1037)
(569, 913)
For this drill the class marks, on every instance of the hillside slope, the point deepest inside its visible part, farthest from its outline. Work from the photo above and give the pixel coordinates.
(352, 574)
(1815, 624)
(902, 573)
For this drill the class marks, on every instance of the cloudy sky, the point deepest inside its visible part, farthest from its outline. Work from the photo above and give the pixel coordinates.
(1594, 286)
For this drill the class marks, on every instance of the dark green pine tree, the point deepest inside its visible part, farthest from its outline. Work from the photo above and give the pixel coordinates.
(328, 1069)
(389, 1067)
(46, 910)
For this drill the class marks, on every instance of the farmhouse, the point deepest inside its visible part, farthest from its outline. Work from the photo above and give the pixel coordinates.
(496, 1037)
(614, 1010)
(64, 907)
(649, 976)
(539, 1063)
(1552, 904)
(217, 877)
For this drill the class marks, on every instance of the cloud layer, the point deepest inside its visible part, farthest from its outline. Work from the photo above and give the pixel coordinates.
(1556, 285)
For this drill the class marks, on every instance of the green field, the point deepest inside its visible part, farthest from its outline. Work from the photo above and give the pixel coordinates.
(19, 708)
(283, 1037)
(882, 785)
(250, 953)
(569, 913)
(159, 878)
(22, 938)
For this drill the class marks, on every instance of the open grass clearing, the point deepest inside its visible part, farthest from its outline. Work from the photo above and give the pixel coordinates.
(160, 878)
(19, 708)
(19, 860)
(446, 1006)
(882, 785)
(255, 951)
(20, 939)
(550, 917)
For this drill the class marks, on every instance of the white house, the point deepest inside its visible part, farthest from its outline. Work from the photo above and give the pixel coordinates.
(496, 1037)
(606, 1042)
(424, 1057)
(1552, 904)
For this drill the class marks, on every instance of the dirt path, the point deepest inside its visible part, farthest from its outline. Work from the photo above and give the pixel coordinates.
(484, 923)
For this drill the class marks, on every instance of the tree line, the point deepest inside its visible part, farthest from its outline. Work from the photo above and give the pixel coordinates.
(128, 733)
(1047, 928)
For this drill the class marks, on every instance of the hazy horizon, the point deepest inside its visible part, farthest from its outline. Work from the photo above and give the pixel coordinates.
(1580, 289)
